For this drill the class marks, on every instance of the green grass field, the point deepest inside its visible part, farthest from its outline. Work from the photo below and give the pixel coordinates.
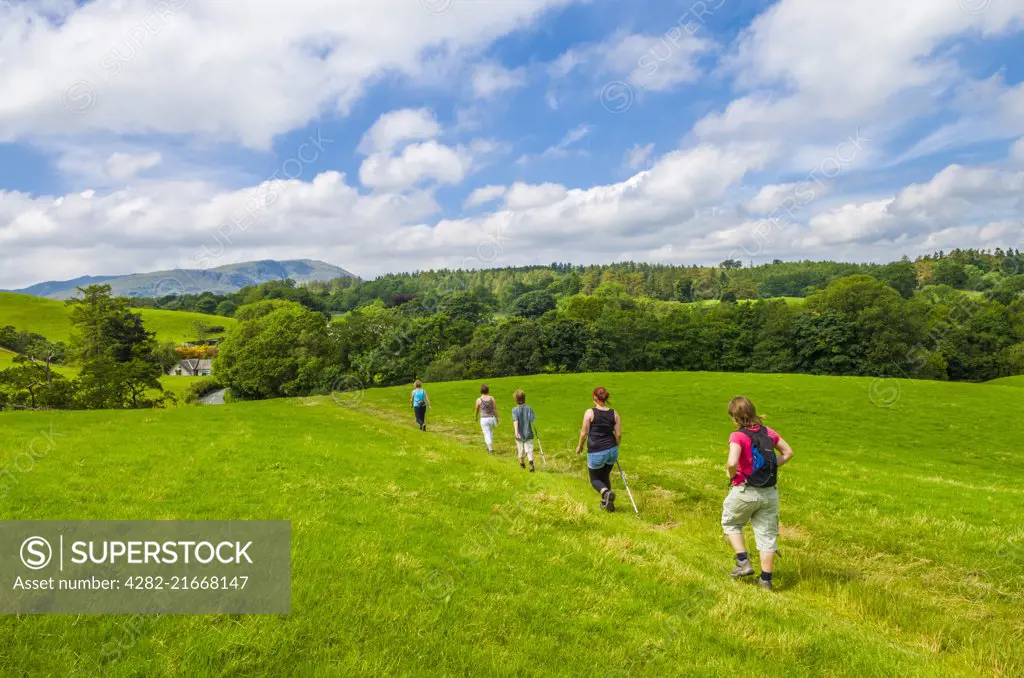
(417, 554)
(1008, 381)
(50, 319)
(7, 360)
(178, 386)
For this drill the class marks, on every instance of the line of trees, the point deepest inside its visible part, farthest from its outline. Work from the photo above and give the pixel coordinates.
(856, 325)
(956, 316)
(977, 270)
(33, 345)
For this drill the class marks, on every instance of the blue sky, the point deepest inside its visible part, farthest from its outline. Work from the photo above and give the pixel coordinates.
(408, 134)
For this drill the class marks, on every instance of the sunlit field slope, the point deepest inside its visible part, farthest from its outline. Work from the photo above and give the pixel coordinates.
(50, 319)
(7, 360)
(1008, 381)
(418, 554)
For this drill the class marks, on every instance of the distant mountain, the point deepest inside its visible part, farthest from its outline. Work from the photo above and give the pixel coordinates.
(53, 289)
(220, 280)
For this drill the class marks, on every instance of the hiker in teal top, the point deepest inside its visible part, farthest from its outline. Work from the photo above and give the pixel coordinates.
(522, 422)
(420, 402)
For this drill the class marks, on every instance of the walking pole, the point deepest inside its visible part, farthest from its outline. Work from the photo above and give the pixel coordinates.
(627, 487)
(541, 446)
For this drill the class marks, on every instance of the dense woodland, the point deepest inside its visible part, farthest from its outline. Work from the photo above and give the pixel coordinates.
(500, 288)
(957, 316)
(950, 316)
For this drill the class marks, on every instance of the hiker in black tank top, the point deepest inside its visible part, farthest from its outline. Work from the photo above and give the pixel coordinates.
(602, 431)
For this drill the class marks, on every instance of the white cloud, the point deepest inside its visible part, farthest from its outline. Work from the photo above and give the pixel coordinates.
(219, 68)
(986, 110)
(415, 164)
(122, 166)
(1017, 152)
(956, 189)
(814, 70)
(571, 138)
(980, 205)
(683, 209)
(483, 195)
(655, 63)
(639, 156)
(142, 228)
(791, 196)
(851, 223)
(165, 225)
(397, 127)
(492, 78)
(522, 196)
(810, 74)
(563, 148)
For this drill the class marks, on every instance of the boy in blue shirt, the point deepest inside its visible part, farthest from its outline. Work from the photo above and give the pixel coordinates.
(522, 423)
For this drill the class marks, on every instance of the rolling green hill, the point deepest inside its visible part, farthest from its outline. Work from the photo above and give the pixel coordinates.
(7, 360)
(418, 554)
(50, 319)
(1008, 381)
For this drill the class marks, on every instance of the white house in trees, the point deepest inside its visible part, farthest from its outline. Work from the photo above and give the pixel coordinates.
(193, 367)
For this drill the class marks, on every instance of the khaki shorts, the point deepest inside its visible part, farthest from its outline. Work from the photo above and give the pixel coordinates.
(524, 447)
(757, 505)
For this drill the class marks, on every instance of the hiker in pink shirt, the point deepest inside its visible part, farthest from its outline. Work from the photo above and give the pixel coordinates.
(754, 498)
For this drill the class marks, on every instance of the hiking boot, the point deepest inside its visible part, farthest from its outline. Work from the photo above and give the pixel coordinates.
(522, 464)
(766, 584)
(531, 467)
(743, 569)
(610, 502)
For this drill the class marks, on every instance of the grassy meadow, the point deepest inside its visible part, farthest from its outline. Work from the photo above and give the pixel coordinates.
(50, 319)
(1008, 381)
(418, 554)
(7, 360)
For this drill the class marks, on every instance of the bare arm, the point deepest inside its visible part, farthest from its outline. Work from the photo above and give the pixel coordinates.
(515, 428)
(495, 410)
(411, 397)
(787, 451)
(584, 430)
(476, 410)
(734, 460)
(618, 428)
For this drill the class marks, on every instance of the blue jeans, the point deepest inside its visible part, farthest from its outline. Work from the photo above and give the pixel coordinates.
(598, 460)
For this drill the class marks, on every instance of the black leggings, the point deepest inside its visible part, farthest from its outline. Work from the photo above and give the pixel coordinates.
(421, 414)
(601, 478)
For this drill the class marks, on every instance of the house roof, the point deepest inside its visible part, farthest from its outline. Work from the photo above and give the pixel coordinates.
(196, 364)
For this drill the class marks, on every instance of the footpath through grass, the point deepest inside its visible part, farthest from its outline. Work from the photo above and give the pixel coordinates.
(417, 554)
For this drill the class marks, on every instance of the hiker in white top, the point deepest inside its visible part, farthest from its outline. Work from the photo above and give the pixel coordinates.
(486, 411)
